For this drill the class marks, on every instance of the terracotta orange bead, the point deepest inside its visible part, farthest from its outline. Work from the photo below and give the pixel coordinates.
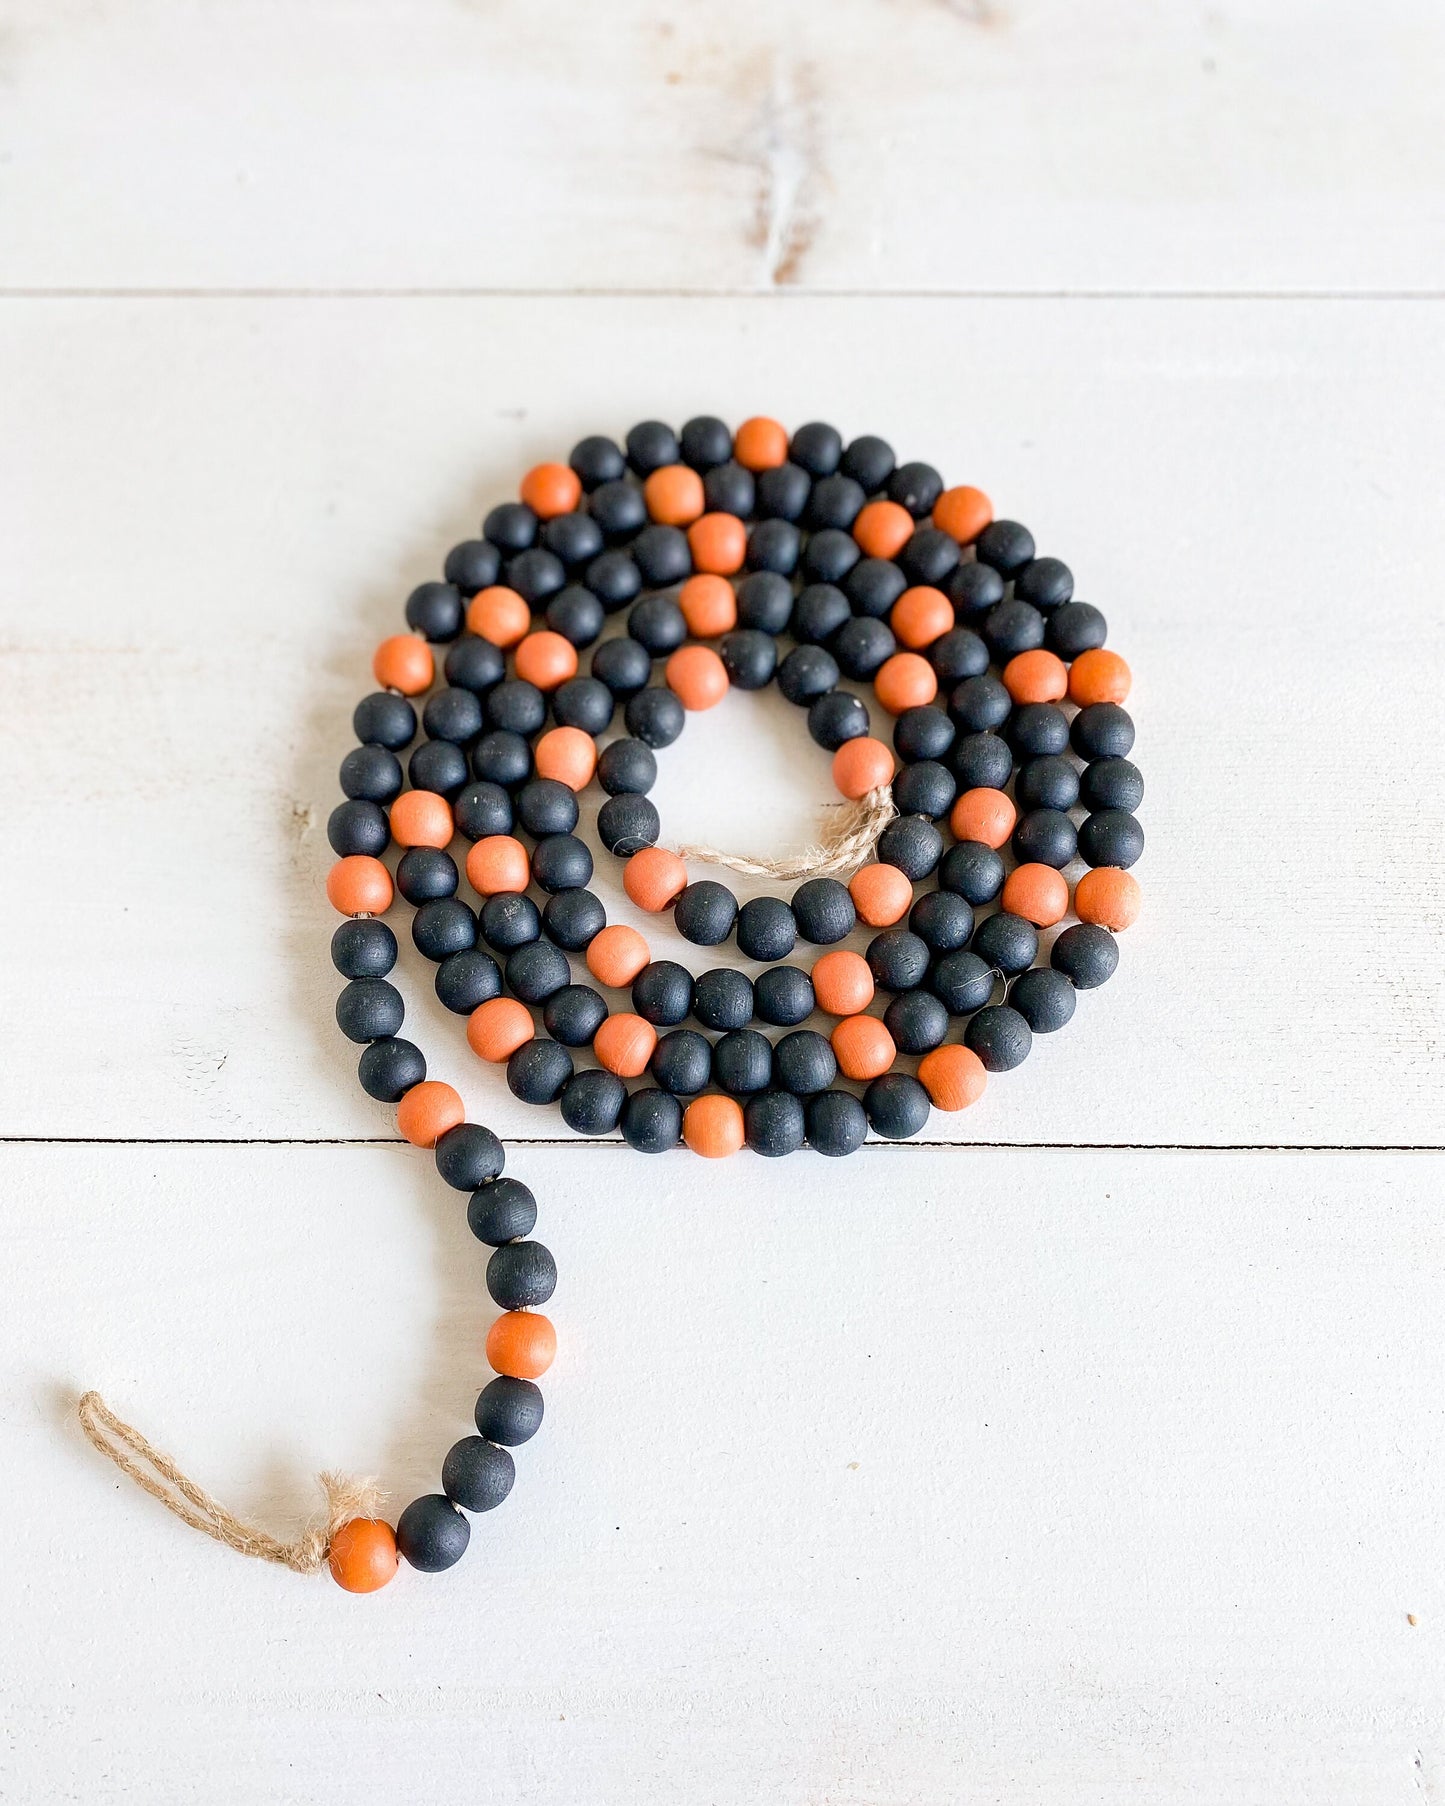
(718, 543)
(1109, 896)
(1037, 893)
(421, 818)
(1099, 676)
(920, 616)
(522, 1344)
(713, 1126)
(863, 1047)
(708, 606)
(359, 885)
(1036, 676)
(862, 765)
(551, 489)
(674, 495)
(498, 614)
(498, 1027)
(362, 1555)
(982, 814)
(497, 865)
(696, 676)
(617, 955)
(905, 681)
(881, 895)
(568, 755)
(842, 982)
(404, 662)
(427, 1111)
(654, 879)
(882, 529)
(954, 1077)
(761, 444)
(963, 513)
(624, 1044)
(546, 659)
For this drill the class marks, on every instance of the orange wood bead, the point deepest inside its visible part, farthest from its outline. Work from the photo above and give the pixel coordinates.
(696, 676)
(404, 662)
(362, 1555)
(862, 765)
(498, 614)
(421, 818)
(962, 513)
(1108, 896)
(983, 814)
(761, 444)
(1037, 893)
(551, 489)
(708, 606)
(882, 529)
(498, 1027)
(568, 755)
(624, 1044)
(654, 879)
(842, 982)
(359, 886)
(954, 1077)
(713, 1126)
(521, 1344)
(718, 543)
(1036, 676)
(427, 1111)
(497, 865)
(546, 659)
(1099, 676)
(617, 955)
(905, 681)
(881, 895)
(674, 495)
(920, 616)
(863, 1047)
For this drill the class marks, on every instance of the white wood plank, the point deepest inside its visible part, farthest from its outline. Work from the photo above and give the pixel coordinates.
(212, 511)
(1109, 1477)
(982, 145)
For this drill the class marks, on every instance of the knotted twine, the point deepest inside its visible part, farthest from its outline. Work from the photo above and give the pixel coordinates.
(150, 1468)
(848, 842)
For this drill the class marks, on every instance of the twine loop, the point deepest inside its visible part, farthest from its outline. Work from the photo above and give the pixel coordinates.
(848, 842)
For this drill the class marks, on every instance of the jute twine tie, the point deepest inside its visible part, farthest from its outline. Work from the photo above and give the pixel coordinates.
(150, 1468)
(848, 842)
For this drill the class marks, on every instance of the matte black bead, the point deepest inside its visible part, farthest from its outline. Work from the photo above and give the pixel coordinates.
(705, 912)
(729, 489)
(561, 862)
(371, 774)
(538, 1070)
(423, 874)
(742, 1062)
(622, 665)
(873, 586)
(1011, 628)
(912, 843)
(469, 1155)
(1046, 582)
(517, 706)
(627, 767)
(972, 871)
(650, 445)
(1006, 942)
(1038, 730)
(896, 1105)
(723, 997)
(915, 487)
(1051, 783)
(576, 614)
(475, 664)
(574, 538)
(535, 971)
(574, 918)
(929, 557)
(613, 577)
(1102, 731)
(979, 705)
(1006, 545)
(536, 574)
(1045, 837)
(657, 623)
(592, 1102)
(837, 718)
(510, 920)
(705, 442)
(627, 823)
(806, 673)
(782, 493)
(655, 716)
(662, 993)
(511, 527)
(861, 645)
(804, 1062)
(820, 610)
(926, 788)
(942, 919)
(652, 1121)
(1076, 627)
(369, 1009)
(435, 610)
(502, 758)
(501, 1211)
(773, 1123)
(1112, 837)
(363, 949)
(584, 702)
(662, 555)
(773, 546)
(981, 761)
(959, 653)
(817, 448)
(829, 556)
(597, 460)
(835, 502)
(522, 1276)
(1000, 1037)
(547, 806)
(482, 809)
(837, 1123)
(1086, 954)
(443, 927)
(973, 589)
(432, 1534)
(465, 980)
(438, 765)
(618, 508)
(766, 930)
(923, 733)
(474, 564)
(1044, 998)
(823, 910)
(682, 1061)
(477, 1474)
(573, 1016)
(388, 1069)
(750, 657)
(869, 461)
(783, 995)
(765, 602)
(898, 959)
(1111, 784)
(357, 826)
(384, 720)
(509, 1411)
(962, 982)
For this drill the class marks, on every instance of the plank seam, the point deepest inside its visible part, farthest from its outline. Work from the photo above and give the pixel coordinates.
(616, 1143)
(792, 293)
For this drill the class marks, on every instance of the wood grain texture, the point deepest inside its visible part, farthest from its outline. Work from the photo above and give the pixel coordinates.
(974, 145)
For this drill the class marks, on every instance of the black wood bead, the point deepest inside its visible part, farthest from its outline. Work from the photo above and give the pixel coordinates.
(517, 706)
(509, 1411)
(369, 1009)
(783, 995)
(917, 1021)
(547, 806)
(959, 653)
(804, 1062)
(597, 460)
(1006, 545)
(482, 809)
(469, 1155)
(574, 538)
(435, 611)
(750, 657)
(973, 589)
(817, 448)
(766, 930)
(584, 702)
(1102, 731)
(1046, 582)
(837, 718)
(465, 980)
(522, 1276)
(456, 715)
(477, 1474)
(898, 959)
(650, 445)
(509, 921)
(861, 645)
(627, 767)
(979, 704)
(443, 927)
(915, 487)
(1006, 942)
(829, 556)
(592, 1102)
(837, 1123)
(1000, 1037)
(929, 557)
(773, 1124)
(1011, 628)
(1044, 998)
(925, 788)
(1045, 837)
(913, 843)
(682, 1061)
(573, 1015)
(823, 910)
(923, 733)
(729, 489)
(962, 982)
(622, 665)
(535, 971)
(474, 564)
(773, 547)
(655, 716)
(576, 614)
(662, 555)
(618, 508)
(561, 862)
(574, 918)
(388, 1069)
(626, 823)
(742, 1062)
(972, 871)
(1038, 730)
(782, 493)
(511, 527)
(873, 586)
(820, 610)
(896, 1105)
(705, 912)
(357, 826)
(501, 1211)
(942, 919)
(538, 1070)
(613, 577)
(438, 765)
(662, 993)
(652, 1121)
(536, 574)
(384, 720)
(1076, 627)
(869, 461)
(657, 623)
(765, 602)
(1112, 837)
(835, 502)
(363, 949)
(1047, 784)
(1111, 784)
(432, 1534)
(499, 757)
(723, 997)
(981, 761)
(475, 664)
(370, 774)
(1086, 954)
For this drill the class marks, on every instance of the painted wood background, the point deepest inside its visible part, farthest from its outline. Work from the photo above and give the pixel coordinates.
(1097, 1460)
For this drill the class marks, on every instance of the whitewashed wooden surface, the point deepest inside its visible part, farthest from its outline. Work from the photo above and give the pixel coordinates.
(1100, 1464)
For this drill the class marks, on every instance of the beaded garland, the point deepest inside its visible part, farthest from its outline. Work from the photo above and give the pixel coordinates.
(740, 560)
